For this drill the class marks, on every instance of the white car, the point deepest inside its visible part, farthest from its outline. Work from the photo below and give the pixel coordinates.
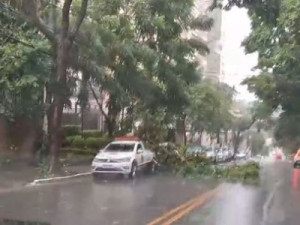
(210, 154)
(123, 156)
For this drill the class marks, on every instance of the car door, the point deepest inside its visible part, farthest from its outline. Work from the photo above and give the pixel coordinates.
(140, 154)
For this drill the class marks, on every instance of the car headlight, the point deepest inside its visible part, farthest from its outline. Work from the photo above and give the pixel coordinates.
(127, 159)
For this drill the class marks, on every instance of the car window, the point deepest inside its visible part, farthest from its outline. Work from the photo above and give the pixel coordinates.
(117, 147)
(139, 147)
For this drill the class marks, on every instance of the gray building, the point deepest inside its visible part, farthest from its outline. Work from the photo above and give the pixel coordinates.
(212, 63)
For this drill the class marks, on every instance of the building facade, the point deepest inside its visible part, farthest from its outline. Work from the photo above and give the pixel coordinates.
(211, 64)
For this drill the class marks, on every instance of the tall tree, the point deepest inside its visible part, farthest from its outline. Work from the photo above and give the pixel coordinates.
(140, 56)
(275, 36)
(24, 65)
(62, 41)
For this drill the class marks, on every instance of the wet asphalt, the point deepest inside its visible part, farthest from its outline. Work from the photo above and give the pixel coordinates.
(276, 201)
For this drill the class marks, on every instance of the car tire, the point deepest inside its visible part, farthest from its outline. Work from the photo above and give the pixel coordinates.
(133, 171)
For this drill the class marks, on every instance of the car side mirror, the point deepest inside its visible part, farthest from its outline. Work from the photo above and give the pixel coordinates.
(139, 151)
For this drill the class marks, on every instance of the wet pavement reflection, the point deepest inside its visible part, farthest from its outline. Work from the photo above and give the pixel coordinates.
(275, 201)
(115, 201)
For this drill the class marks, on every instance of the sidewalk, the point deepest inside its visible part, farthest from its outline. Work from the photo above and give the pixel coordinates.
(17, 175)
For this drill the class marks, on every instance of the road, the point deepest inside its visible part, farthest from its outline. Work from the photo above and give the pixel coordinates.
(160, 200)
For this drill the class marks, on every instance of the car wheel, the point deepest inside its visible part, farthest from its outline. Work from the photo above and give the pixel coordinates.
(133, 171)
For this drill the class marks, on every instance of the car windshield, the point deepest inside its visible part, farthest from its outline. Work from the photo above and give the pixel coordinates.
(194, 149)
(117, 147)
(208, 150)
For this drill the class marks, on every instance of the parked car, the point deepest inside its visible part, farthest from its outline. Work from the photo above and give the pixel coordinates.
(296, 160)
(226, 154)
(278, 156)
(125, 155)
(240, 155)
(195, 150)
(210, 153)
(220, 156)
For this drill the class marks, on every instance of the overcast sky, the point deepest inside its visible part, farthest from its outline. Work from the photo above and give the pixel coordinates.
(236, 65)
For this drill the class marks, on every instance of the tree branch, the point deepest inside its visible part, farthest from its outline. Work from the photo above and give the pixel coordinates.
(65, 22)
(29, 12)
(82, 13)
(97, 101)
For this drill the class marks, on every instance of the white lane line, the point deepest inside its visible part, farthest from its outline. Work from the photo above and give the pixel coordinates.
(269, 201)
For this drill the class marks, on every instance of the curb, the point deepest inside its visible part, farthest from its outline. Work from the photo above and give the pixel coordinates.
(54, 179)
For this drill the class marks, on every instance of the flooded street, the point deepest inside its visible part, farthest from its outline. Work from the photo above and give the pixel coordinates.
(163, 200)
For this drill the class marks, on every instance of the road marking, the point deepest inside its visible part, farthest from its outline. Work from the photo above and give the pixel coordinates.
(183, 209)
(268, 203)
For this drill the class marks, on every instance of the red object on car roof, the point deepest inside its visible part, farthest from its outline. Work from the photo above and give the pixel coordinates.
(127, 138)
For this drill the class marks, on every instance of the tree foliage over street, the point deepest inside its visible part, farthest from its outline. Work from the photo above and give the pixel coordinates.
(24, 66)
(134, 52)
(136, 58)
(275, 36)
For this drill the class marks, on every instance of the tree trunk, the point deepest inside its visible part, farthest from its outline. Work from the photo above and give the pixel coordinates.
(56, 133)
(63, 49)
(226, 137)
(180, 130)
(82, 119)
(110, 124)
(236, 141)
(200, 136)
(218, 137)
(184, 130)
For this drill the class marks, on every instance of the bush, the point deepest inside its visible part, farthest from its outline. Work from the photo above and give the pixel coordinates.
(104, 140)
(93, 143)
(78, 142)
(92, 133)
(69, 140)
(71, 130)
(78, 151)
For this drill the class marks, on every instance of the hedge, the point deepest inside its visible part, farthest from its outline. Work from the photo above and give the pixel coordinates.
(69, 140)
(92, 133)
(78, 142)
(71, 130)
(79, 151)
(93, 143)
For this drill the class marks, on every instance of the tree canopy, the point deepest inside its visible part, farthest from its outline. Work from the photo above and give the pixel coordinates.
(275, 37)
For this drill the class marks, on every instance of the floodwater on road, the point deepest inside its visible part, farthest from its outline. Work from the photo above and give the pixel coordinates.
(161, 200)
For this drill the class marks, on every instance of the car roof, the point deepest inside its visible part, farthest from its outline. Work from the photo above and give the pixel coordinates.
(125, 142)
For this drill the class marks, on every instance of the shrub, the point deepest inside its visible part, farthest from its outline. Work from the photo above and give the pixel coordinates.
(71, 130)
(93, 143)
(78, 151)
(69, 140)
(104, 140)
(78, 142)
(92, 133)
